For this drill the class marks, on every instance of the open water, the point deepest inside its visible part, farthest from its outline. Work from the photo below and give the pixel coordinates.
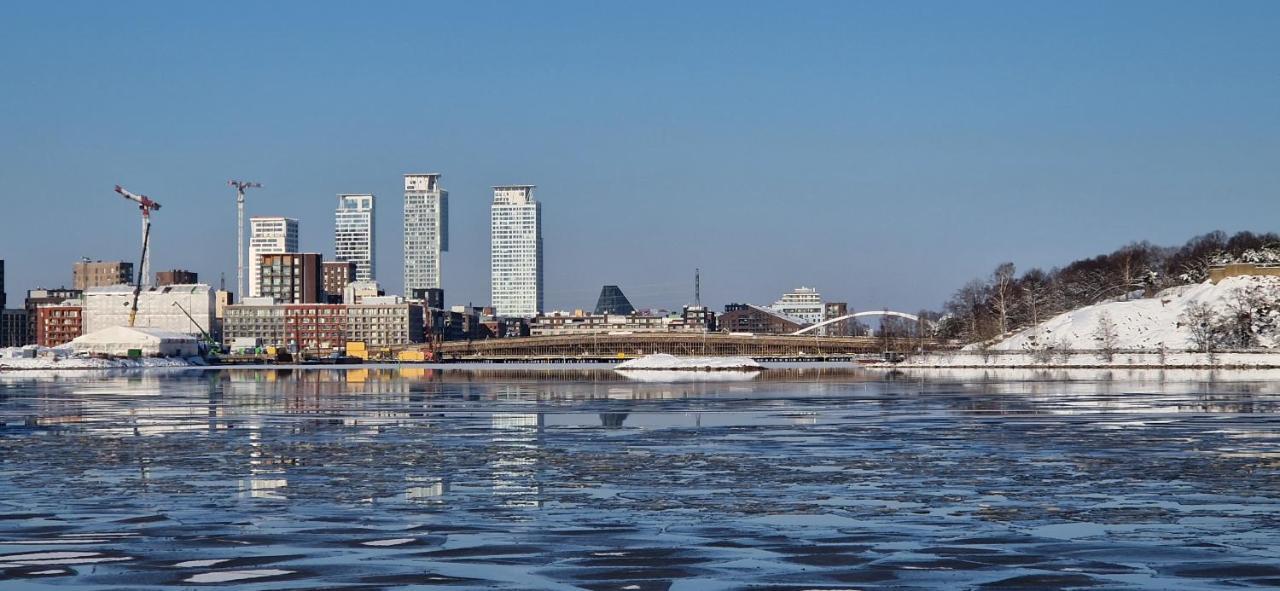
(482, 478)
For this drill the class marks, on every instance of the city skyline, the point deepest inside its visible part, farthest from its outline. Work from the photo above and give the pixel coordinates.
(921, 152)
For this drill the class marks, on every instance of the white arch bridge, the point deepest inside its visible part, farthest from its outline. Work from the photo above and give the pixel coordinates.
(911, 317)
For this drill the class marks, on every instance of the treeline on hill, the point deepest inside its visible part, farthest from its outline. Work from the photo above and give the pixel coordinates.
(987, 307)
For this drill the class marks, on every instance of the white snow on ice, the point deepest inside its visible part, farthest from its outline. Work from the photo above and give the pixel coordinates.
(664, 361)
(393, 542)
(236, 575)
(34, 357)
(200, 563)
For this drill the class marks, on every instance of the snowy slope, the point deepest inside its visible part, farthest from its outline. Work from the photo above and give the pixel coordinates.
(1142, 324)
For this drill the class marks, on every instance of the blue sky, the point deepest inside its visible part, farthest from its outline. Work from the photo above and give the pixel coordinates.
(882, 152)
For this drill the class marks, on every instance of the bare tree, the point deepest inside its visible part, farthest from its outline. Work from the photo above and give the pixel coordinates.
(1106, 336)
(1203, 324)
(1002, 292)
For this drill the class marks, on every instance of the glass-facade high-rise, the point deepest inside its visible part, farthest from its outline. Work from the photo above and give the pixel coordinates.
(515, 251)
(426, 231)
(354, 238)
(268, 235)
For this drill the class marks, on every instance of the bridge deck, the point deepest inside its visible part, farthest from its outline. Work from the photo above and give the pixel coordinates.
(629, 345)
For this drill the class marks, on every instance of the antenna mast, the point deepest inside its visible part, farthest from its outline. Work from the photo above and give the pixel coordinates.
(697, 286)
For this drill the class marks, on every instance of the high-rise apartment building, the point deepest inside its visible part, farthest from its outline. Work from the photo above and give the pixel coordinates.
(515, 251)
(292, 277)
(337, 276)
(426, 230)
(268, 235)
(353, 234)
(87, 274)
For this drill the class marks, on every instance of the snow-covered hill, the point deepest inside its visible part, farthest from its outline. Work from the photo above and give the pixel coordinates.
(1153, 323)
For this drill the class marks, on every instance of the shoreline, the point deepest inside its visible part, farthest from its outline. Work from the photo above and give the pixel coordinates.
(1089, 360)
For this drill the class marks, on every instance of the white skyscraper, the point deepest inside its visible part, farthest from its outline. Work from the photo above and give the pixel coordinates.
(269, 235)
(426, 231)
(515, 251)
(354, 238)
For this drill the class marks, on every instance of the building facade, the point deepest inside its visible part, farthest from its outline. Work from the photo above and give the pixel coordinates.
(691, 319)
(515, 251)
(322, 328)
(749, 318)
(804, 303)
(337, 276)
(88, 274)
(58, 324)
(42, 297)
(354, 236)
(176, 277)
(268, 235)
(292, 277)
(4, 301)
(426, 230)
(14, 327)
(187, 309)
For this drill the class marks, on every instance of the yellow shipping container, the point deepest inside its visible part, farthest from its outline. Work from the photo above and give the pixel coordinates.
(411, 356)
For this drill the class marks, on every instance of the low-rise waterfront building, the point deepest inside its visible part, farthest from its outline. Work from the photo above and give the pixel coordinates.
(324, 327)
(186, 309)
(58, 324)
(691, 319)
(41, 297)
(750, 318)
(804, 303)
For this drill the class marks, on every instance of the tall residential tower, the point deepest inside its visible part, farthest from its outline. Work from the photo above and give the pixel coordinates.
(269, 235)
(515, 251)
(426, 231)
(353, 234)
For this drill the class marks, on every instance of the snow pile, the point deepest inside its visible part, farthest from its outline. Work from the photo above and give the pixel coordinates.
(664, 361)
(1149, 324)
(35, 357)
(672, 376)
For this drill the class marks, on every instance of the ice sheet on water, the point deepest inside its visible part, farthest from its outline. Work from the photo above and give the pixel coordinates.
(237, 575)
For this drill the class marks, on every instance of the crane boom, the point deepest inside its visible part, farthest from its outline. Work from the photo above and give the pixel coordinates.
(144, 268)
(144, 203)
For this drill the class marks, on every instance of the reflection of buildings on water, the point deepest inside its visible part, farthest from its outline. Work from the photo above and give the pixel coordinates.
(426, 490)
(262, 488)
(514, 458)
(612, 420)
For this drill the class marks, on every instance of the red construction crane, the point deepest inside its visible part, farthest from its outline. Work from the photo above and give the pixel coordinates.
(146, 205)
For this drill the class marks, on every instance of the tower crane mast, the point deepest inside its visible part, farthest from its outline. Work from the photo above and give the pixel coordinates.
(240, 187)
(146, 205)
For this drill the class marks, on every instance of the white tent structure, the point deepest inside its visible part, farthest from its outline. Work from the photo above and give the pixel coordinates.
(119, 340)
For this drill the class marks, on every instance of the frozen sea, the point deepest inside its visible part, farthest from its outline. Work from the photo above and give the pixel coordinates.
(819, 477)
